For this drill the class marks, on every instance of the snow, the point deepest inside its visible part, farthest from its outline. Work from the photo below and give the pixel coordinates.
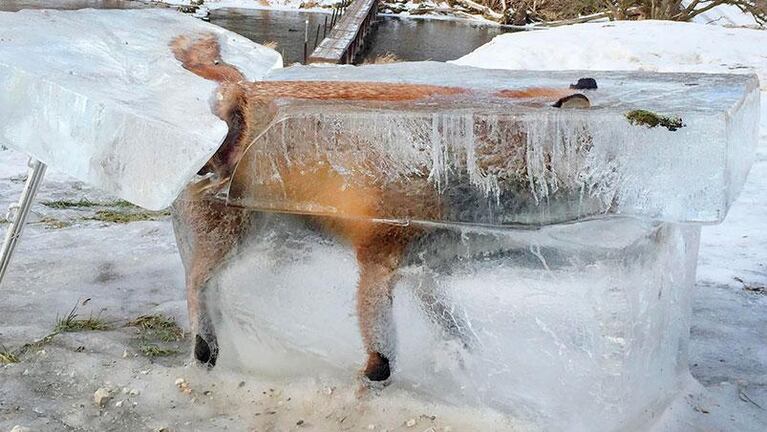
(725, 15)
(114, 69)
(628, 45)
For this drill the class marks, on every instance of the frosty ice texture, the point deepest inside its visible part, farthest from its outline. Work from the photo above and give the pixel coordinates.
(505, 162)
(98, 94)
(574, 326)
(580, 326)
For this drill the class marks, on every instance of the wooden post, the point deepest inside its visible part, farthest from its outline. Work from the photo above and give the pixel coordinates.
(306, 42)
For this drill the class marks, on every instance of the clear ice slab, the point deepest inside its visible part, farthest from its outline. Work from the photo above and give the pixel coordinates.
(98, 94)
(480, 159)
(576, 327)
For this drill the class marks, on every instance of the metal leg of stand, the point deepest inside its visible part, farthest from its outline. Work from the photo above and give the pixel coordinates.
(34, 179)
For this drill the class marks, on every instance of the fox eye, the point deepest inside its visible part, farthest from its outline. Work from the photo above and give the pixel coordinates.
(215, 62)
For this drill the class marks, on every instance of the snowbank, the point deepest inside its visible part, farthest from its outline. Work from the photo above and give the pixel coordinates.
(657, 46)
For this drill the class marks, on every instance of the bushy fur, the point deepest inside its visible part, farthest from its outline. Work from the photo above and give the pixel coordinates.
(213, 229)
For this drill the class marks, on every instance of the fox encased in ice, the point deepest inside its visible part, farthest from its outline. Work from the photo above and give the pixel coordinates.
(214, 230)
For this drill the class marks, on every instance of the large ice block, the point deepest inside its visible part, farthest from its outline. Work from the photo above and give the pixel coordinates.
(98, 94)
(577, 327)
(481, 159)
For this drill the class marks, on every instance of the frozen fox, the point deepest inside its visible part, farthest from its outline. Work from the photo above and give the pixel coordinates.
(213, 230)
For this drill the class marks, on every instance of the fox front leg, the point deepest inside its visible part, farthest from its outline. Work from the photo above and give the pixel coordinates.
(206, 231)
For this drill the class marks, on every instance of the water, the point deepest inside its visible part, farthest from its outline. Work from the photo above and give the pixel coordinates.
(408, 39)
(286, 28)
(429, 39)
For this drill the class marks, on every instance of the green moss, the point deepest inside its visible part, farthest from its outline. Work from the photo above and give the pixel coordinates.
(151, 351)
(651, 120)
(86, 203)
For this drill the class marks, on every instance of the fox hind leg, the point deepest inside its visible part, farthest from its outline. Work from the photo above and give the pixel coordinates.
(379, 259)
(447, 316)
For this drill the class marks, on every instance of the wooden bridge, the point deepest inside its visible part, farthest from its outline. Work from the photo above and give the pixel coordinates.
(347, 37)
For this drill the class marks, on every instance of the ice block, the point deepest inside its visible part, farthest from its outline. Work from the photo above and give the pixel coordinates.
(576, 327)
(99, 95)
(552, 260)
(494, 161)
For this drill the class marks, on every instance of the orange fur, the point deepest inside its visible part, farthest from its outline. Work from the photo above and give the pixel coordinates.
(248, 108)
(534, 93)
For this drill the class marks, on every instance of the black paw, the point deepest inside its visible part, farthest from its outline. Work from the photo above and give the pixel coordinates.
(205, 353)
(585, 84)
(377, 368)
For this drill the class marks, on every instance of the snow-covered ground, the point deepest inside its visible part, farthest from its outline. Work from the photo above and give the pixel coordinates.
(120, 271)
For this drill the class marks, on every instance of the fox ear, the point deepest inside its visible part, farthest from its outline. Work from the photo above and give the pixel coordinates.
(584, 84)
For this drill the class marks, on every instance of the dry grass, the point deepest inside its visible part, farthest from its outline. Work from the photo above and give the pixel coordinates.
(157, 335)
(7, 357)
(309, 4)
(157, 327)
(127, 217)
(555, 10)
(383, 59)
(52, 223)
(528, 11)
(71, 323)
(151, 351)
(755, 289)
(271, 44)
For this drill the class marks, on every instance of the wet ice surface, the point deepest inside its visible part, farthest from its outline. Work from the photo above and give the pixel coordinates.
(133, 269)
(98, 94)
(595, 309)
(490, 160)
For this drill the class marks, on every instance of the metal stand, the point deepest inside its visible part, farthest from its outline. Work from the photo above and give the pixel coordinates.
(34, 179)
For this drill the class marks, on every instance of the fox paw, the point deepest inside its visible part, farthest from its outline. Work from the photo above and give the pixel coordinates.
(206, 352)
